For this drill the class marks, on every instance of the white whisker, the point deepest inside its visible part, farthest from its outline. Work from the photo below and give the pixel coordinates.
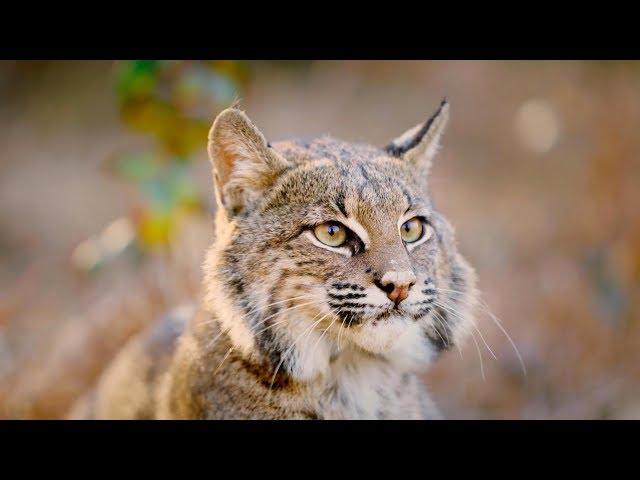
(495, 320)
(442, 322)
(284, 355)
(210, 344)
(453, 311)
(254, 309)
(316, 302)
(435, 330)
(324, 332)
(479, 356)
(223, 359)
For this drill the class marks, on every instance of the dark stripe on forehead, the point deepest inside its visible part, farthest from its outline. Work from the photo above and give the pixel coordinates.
(339, 201)
(408, 196)
(366, 181)
(343, 168)
(364, 173)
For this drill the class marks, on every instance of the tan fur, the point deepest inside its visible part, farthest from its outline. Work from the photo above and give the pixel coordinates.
(289, 327)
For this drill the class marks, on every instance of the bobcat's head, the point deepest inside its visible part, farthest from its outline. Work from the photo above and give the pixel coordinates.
(326, 246)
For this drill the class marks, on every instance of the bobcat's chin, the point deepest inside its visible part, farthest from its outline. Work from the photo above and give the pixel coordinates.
(382, 335)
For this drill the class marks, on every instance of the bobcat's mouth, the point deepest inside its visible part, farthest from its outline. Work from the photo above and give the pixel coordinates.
(356, 305)
(374, 314)
(386, 311)
(375, 327)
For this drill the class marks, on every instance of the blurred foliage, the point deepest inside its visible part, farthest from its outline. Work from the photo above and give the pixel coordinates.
(174, 102)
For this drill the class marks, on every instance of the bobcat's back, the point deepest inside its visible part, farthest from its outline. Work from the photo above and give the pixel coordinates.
(129, 387)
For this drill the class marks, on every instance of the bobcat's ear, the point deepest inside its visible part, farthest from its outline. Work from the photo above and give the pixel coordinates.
(244, 164)
(420, 143)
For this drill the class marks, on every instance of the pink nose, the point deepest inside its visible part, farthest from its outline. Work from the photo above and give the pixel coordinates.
(398, 294)
(397, 285)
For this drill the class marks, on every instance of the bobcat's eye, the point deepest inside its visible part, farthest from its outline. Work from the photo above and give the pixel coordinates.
(412, 230)
(331, 233)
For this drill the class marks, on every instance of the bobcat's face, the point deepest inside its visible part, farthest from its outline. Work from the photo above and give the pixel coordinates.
(326, 245)
(338, 233)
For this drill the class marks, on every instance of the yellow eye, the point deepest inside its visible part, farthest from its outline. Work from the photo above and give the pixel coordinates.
(332, 234)
(411, 230)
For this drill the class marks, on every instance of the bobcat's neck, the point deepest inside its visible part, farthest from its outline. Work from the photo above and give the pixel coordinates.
(354, 384)
(361, 385)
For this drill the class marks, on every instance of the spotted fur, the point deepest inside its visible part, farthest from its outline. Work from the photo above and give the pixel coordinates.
(289, 328)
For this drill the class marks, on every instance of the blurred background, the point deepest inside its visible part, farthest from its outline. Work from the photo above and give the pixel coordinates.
(106, 202)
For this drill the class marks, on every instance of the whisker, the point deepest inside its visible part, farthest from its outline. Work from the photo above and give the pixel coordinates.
(497, 322)
(458, 315)
(342, 327)
(448, 290)
(324, 332)
(442, 322)
(479, 356)
(502, 329)
(284, 355)
(223, 359)
(279, 322)
(437, 332)
(279, 312)
(212, 342)
(214, 320)
(483, 340)
(258, 307)
(316, 302)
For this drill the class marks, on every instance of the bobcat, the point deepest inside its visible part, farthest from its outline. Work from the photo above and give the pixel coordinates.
(332, 282)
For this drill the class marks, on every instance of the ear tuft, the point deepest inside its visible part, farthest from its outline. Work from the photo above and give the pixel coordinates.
(236, 103)
(420, 143)
(243, 163)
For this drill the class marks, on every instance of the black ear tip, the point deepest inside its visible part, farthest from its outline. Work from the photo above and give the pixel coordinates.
(444, 102)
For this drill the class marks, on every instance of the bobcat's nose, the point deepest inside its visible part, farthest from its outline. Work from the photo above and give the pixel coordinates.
(397, 285)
